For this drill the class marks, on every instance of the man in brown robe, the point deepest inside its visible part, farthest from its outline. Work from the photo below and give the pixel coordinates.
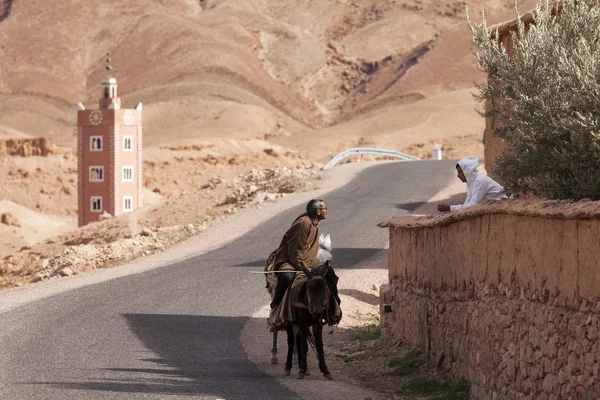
(298, 248)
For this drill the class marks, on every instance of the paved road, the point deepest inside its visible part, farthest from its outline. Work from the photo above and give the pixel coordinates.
(173, 332)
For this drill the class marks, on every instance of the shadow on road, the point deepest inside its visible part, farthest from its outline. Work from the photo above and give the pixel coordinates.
(361, 296)
(196, 355)
(410, 207)
(431, 207)
(342, 258)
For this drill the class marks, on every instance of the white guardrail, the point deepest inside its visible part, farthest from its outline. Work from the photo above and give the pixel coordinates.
(370, 151)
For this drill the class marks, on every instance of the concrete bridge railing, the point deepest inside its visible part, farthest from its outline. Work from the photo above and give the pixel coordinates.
(367, 151)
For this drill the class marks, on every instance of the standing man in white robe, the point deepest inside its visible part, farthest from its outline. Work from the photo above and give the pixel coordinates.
(480, 187)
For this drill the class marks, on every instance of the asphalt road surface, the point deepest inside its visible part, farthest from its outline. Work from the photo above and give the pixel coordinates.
(173, 332)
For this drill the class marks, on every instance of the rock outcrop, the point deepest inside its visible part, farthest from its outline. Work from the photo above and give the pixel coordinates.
(27, 147)
(9, 219)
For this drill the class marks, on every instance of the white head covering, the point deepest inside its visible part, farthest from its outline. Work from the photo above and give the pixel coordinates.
(469, 168)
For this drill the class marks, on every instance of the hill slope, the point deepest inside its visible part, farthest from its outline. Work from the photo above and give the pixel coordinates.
(230, 85)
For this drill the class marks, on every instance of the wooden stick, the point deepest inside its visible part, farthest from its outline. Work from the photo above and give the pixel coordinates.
(273, 272)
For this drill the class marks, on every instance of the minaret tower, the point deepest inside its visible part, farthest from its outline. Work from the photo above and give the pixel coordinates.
(109, 152)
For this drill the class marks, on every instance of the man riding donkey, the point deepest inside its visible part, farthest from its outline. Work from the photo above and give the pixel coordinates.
(298, 253)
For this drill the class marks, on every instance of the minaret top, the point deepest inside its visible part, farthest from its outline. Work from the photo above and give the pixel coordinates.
(109, 98)
(109, 80)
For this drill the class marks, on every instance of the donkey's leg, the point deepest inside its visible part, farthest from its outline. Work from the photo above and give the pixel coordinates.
(274, 349)
(291, 338)
(306, 347)
(318, 334)
(302, 344)
(295, 359)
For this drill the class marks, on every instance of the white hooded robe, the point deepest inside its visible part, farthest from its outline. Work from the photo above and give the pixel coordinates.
(480, 187)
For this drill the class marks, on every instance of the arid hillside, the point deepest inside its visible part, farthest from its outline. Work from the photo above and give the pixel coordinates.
(228, 86)
(234, 69)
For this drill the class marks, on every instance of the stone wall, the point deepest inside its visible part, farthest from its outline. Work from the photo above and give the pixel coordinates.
(506, 295)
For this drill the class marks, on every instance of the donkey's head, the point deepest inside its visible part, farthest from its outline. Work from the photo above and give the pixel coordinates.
(317, 291)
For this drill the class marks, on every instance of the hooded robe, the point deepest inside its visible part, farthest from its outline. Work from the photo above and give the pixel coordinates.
(480, 187)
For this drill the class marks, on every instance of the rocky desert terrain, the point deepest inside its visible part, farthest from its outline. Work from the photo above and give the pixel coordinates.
(243, 100)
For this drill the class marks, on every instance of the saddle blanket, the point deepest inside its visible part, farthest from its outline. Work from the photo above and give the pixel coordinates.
(285, 315)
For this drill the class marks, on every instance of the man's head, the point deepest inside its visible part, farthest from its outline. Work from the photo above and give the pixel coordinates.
(460, 174)
(316, 208)
(466, 169)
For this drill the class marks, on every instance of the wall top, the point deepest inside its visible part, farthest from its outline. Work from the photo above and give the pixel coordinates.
(549, 209)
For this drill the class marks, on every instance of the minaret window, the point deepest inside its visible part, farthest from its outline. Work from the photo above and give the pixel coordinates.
(106, 93)
(96, 205)
(127, 173)
(127, 203)
(97, 174)
(95, 143)
(127, 143)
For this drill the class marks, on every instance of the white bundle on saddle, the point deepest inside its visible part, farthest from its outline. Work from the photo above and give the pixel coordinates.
(324, 252)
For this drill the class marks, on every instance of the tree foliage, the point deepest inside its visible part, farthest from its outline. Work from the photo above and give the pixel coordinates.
(546, 98)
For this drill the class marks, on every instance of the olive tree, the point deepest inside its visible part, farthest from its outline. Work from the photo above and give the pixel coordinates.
(546, 99)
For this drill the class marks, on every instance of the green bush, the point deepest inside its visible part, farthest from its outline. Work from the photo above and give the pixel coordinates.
(409, 364)
(547, 99)
(427, 388)
(366, 332)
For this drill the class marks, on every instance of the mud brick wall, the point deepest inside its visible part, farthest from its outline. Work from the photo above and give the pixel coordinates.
(506, 295)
